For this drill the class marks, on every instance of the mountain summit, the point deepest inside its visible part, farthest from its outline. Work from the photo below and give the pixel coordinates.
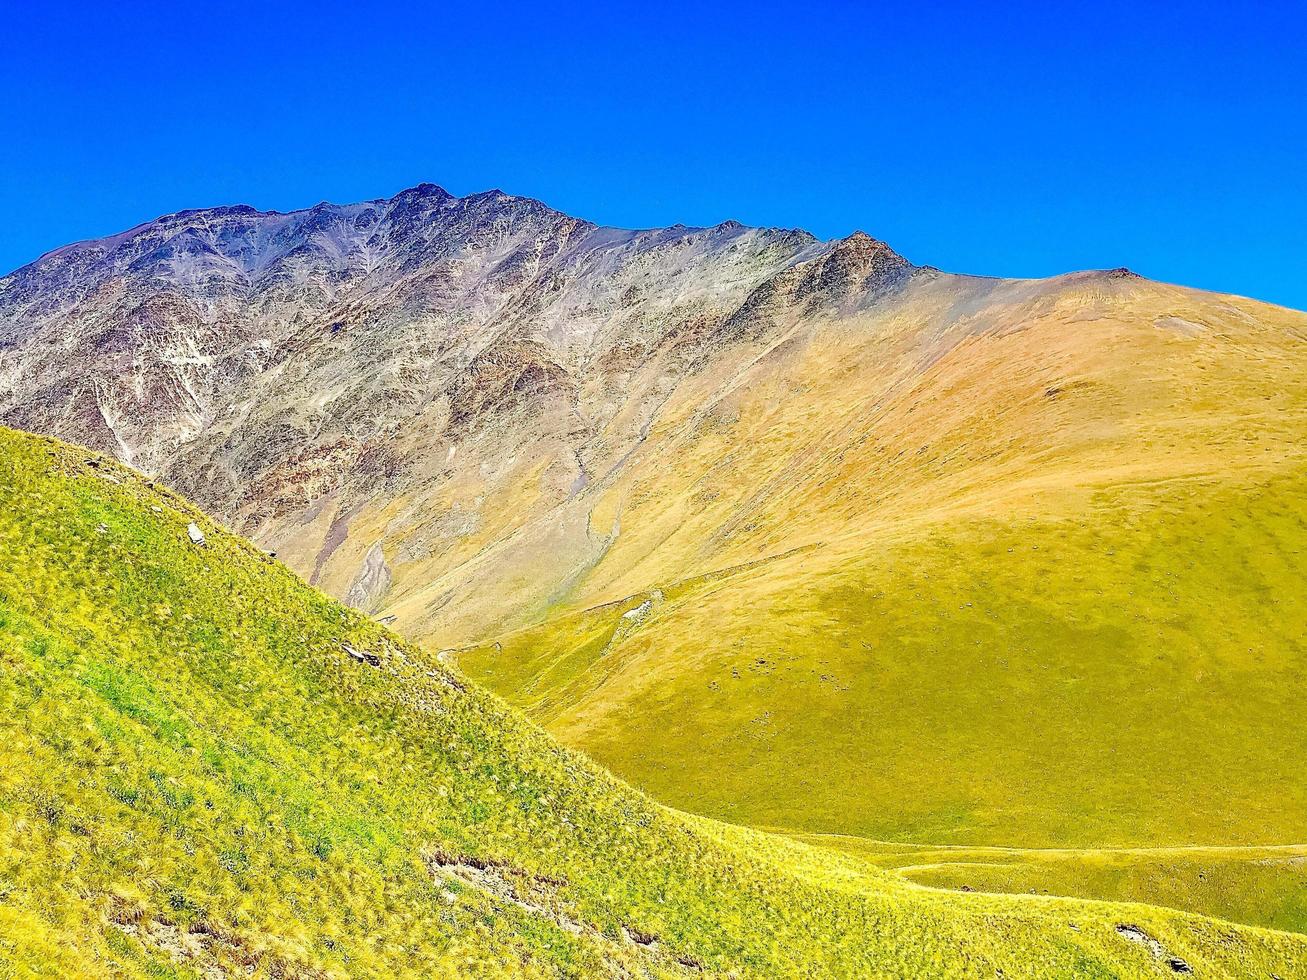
(166, 323)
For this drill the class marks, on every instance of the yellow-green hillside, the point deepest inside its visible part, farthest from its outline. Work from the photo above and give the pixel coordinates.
(209, 769)
(1018, 565)
(1262, 885)
(1131, 677)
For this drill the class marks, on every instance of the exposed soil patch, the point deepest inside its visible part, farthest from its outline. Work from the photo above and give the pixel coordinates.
(1132, 933)
(211, 952)
(541, 895)
(538, 894)
(639, 936)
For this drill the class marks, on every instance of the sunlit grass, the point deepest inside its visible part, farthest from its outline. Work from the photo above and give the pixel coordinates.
(197, 773)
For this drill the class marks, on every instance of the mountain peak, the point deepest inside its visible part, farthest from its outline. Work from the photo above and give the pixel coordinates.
(860, 243)
(852, 269)
(860, 253)
(424, 195)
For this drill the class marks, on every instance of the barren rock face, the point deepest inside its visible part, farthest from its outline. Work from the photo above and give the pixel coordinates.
(291, 372)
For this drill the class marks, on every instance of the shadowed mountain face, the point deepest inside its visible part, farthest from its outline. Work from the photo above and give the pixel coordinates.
(789, 532)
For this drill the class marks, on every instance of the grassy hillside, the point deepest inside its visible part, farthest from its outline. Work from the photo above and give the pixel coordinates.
(207, 768)
(1008, 564)
(1129, 678)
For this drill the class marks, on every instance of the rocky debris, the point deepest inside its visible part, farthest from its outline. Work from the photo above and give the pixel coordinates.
(637, 615)
(639, 936)
(362, 656)
(194, 533)
(1132, 933)
(538, 894)
(438, 857)
(630, 620)
(184, 947)
(639, 612)
(202, 947)
(449, 680)
(199, 946)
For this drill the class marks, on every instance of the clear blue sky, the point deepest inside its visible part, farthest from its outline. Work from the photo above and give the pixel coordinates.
(1024, 139)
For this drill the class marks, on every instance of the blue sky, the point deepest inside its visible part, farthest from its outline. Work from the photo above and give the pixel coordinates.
(1022, 139)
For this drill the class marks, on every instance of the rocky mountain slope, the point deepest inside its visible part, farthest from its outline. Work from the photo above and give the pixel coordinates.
(789, 532)
(290, 371)
(211, 770)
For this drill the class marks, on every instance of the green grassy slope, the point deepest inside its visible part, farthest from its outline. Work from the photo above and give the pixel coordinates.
(1138, 671)
(1136, 674)
(207, 768)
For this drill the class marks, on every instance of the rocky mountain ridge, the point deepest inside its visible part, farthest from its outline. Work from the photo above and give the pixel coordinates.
(192, 305)
(262, 360)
